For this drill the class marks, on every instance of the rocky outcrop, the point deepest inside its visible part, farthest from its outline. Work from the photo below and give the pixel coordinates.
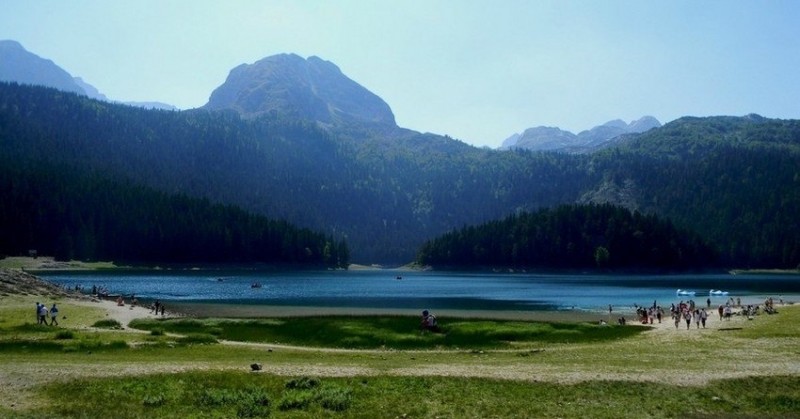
(289, 86)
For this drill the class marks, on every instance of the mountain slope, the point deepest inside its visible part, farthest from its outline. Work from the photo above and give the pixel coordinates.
(19, 65)
(293, 87)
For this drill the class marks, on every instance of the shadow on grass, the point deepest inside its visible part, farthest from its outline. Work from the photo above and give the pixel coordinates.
(395, 332)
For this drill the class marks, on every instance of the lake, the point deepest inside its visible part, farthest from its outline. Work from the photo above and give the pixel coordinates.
(433, 290)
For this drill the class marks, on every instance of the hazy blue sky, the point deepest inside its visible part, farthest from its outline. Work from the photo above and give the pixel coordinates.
(478, 71)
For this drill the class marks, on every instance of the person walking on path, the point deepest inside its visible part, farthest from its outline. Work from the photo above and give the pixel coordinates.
(42, 314)
(54, 315)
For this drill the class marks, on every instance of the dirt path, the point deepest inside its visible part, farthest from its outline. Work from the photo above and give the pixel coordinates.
(124, 314)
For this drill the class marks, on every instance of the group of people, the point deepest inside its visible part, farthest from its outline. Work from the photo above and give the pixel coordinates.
(646, 315)
(689, 313)
(156, 306)
(42, 313)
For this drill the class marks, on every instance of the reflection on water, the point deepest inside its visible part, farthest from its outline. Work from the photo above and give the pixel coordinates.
(439, 290)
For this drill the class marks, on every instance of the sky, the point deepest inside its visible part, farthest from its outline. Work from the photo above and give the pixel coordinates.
(478, 71)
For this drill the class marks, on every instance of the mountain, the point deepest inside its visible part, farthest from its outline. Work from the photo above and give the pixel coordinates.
(293, 141)
(292, 87)
(556, 139)
(18, 65)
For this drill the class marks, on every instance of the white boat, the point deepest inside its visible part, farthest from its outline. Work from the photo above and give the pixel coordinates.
(717, 292)
(684, 292)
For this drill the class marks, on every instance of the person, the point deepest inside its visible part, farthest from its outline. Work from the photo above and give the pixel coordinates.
(42, 314)
(703, 317)
(54, 315)
(428, 321)
(162, 309)
(708, 302)
(38, 313)
(687, 315)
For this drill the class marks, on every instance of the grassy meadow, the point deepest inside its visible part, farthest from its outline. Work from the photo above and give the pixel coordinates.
(383, 366)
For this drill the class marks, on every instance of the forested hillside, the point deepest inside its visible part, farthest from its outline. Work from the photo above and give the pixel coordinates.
(386, 190)
(382, 193)
(58, 211)
(733, 180)
(571, 237)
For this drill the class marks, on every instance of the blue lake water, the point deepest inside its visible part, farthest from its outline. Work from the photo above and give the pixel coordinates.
(435, 290)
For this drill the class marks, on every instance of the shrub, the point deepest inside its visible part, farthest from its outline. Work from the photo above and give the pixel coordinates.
(197, 339)
(153, 401)
(302, 383)
(65, 334)
(249, 402)
(107, 324)
(335, 398)
(296, 400)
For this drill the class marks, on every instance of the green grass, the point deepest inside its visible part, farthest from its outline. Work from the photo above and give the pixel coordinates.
(395, 332)
(215, 394)
(782, 324)
(482, 368)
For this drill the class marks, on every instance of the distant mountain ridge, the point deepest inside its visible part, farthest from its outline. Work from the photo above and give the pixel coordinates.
(19, 65)
(555, 139)
(293, 87)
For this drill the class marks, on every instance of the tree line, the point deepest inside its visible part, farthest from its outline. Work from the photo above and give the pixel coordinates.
(571, 237)
(63, 212)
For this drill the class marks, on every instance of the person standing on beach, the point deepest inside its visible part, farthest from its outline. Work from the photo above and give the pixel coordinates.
(687, 315)
(54, 315)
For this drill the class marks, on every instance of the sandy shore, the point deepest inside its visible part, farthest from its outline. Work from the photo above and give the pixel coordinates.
(123, 314)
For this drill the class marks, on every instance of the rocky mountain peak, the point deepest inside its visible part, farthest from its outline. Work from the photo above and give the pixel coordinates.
(556, 139)
(291, 86)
